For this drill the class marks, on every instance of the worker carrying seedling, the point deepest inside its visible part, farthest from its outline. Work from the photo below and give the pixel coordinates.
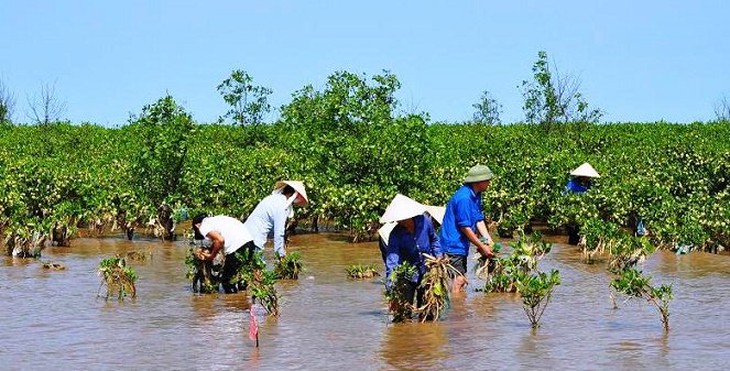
(412, 236)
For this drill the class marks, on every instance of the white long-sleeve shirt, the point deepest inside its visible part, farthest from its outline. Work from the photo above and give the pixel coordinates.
(233, 232)
(270, 213)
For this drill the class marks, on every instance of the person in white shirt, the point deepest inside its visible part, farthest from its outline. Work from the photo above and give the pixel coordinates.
(229, 235)
(271, 214)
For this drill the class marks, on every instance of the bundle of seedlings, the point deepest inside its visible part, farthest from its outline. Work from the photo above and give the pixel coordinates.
(289, 266)
(536, 289)
(260, 281)
(359, 271)
(203, 273)
(118, 278)
(399, 295)
(485, 266)
(435, 286)
(526, 252)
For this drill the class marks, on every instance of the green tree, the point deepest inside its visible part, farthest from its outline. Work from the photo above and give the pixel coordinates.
(162, 132)
(249, 103)
(551, 98)
(487, 110)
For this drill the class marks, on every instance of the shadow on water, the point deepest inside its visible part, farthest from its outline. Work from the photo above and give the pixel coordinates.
(328, 320)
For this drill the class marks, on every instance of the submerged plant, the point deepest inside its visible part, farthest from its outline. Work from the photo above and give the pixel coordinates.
(359, 271)
(289, 266)
(139, 255)
(118, 278)
(634, 283)
(400, 292)
(435, 287)
(536, 289)
(53, 266)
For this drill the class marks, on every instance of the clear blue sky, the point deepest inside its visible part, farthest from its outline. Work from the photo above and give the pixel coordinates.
(638, 60)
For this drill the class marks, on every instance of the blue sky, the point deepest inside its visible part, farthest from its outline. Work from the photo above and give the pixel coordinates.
(637, 60)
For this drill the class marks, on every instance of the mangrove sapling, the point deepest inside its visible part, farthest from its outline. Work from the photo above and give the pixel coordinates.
(260, 281)
(359, 271)
(526, 252)
(435, 286)
(536, 288)
(118, 277)
(289, 267)
(634, 283)
(261, 286)
(400, 293)
(485, 266)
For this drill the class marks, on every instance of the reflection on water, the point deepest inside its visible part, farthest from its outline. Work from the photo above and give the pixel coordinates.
(53, 319)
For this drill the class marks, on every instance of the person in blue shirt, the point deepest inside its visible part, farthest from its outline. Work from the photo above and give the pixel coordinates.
(581, 180)
(464, 224)
(412, 236)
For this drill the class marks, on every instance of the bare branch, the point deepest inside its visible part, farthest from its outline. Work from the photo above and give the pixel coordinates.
(7, 103)
(46, 108)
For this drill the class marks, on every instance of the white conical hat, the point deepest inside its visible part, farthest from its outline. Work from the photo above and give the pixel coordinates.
(385, 230)
(402, 208)
(437, 212)
(297, 185)
(585, 170)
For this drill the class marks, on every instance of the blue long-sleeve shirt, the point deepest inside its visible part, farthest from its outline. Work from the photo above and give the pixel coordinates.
(463, 210)
(574, 186)
(404, 246)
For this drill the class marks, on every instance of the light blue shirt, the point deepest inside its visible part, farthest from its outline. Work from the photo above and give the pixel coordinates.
(270, 214)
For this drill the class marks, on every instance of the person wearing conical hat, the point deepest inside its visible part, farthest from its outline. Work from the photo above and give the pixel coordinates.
(581, 179)
(272, 211)
(464, 223)
(435, 213)
(412, 235)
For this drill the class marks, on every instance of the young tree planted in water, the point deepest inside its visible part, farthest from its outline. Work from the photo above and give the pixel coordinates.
(203, 273)
(118, 277)
(502, 277)
(634, 283)
(536, 289)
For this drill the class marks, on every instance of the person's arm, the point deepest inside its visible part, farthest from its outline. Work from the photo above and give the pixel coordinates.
(484, 232)
(279, 231)
(217, 243)
(392, 257)
(482, 248)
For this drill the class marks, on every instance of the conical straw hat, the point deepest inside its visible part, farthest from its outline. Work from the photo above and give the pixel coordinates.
(385, 230)
(402, 208)
(437, 212)
(585, 170)
(297, 185)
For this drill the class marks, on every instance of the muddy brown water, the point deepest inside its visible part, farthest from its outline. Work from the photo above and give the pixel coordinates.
(54, 320)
